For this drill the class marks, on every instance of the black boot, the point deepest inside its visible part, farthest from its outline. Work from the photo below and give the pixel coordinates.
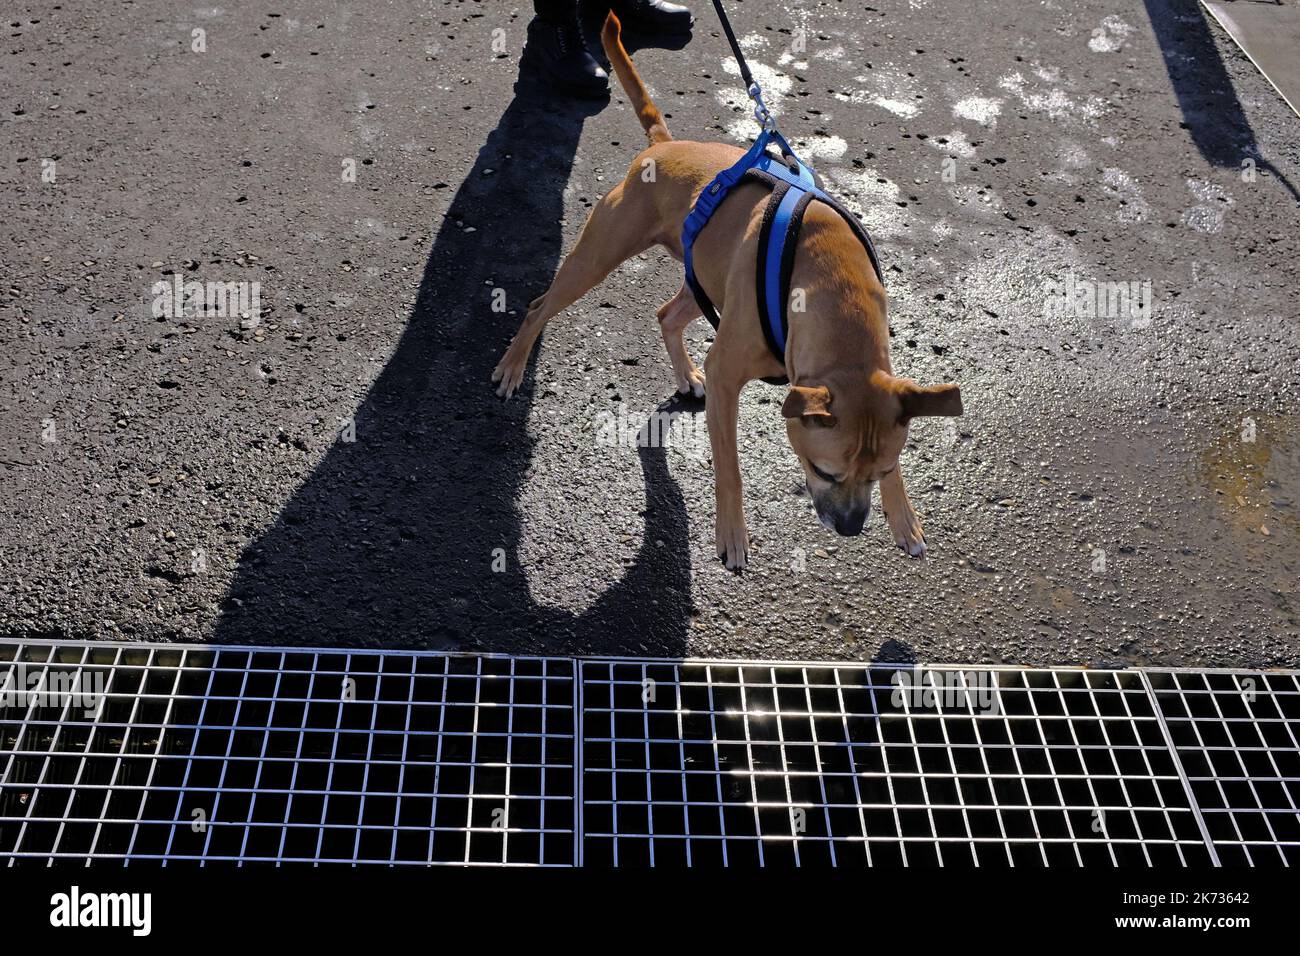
(556, 48)
(653, 16)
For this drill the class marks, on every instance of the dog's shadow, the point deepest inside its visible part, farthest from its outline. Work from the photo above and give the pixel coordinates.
(408, 535)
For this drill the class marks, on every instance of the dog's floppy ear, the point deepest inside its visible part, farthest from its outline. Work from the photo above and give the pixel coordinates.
(921, 400)
(804, 401)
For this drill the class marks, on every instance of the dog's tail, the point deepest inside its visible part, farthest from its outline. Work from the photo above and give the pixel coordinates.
(651, 119)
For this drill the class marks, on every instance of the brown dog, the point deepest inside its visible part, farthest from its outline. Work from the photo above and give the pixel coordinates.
(846, 412)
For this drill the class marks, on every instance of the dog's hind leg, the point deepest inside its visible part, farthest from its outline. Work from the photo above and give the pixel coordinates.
(612, 234)
(674, 315)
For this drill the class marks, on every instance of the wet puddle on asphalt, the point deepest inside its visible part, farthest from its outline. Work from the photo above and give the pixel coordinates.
(1254, 476)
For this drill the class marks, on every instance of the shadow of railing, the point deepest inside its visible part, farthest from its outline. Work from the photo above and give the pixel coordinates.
(1212, 113)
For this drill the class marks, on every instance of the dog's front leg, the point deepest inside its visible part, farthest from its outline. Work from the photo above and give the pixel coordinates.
(900, 515)
(722, 411)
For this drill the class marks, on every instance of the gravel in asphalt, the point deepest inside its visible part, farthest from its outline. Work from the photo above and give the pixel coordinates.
(334, 469)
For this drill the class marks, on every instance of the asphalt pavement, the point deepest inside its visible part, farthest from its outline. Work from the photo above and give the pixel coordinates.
(331, 467)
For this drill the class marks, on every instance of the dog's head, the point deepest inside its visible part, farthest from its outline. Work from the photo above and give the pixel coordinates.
(849, 435)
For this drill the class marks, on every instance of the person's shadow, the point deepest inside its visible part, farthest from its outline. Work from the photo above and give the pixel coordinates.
(407, 536)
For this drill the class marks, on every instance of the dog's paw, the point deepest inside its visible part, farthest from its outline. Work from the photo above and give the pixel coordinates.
(732, 542)
(908, 533)
(691, 385)
(508, 374)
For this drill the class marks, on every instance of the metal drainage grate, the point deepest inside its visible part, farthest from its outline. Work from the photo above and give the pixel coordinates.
(842, 765)
(187, 754)
(195, 754)
(1238, 739)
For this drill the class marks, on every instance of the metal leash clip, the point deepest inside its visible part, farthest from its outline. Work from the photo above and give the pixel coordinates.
(761, 112)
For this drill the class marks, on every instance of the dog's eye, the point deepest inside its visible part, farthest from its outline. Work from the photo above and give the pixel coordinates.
(822, 475)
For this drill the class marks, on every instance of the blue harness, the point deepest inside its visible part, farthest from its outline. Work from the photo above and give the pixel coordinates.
(793, 187)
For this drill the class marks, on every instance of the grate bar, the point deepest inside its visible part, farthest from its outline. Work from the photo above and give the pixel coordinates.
(1182, 776)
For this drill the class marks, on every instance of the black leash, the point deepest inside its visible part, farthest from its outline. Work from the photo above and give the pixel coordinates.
(755, 92)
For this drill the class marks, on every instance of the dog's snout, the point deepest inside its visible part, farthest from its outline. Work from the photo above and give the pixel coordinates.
(850, 524)
(844, 521)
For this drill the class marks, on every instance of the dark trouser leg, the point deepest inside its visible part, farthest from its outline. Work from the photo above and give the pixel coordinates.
(555, 10)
